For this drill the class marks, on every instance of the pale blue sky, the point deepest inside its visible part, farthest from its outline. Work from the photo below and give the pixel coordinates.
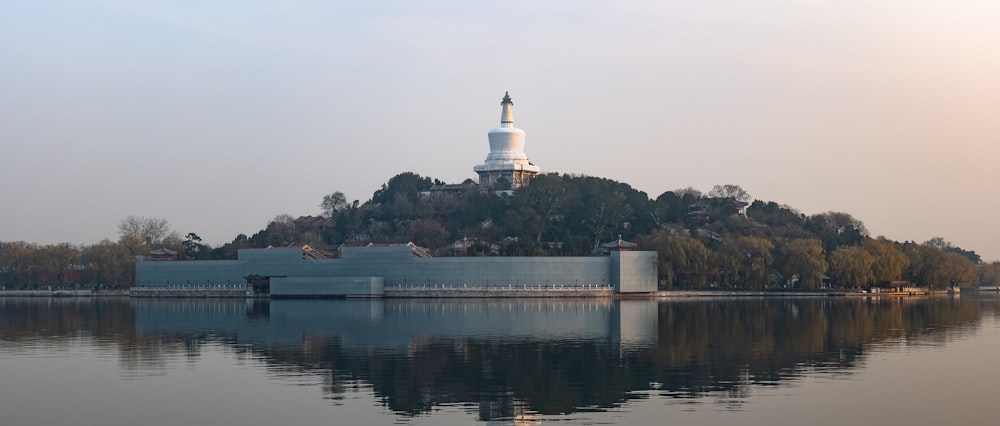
(219, 115)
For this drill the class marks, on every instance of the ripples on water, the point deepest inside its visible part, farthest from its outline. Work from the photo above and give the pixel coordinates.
(587, 361)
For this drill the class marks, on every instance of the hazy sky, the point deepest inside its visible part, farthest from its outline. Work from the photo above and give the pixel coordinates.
(219, 115)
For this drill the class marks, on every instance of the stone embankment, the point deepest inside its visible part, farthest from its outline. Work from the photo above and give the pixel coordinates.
(47, 293)
(207, 291)
(510, 291)
(445, 292)
(680, 294)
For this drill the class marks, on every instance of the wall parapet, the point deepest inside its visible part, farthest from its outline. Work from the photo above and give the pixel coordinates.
(495, 292)
(192, 291)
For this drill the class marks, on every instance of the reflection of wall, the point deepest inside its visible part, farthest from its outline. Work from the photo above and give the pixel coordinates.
(635, 324)
(398, 323)
(627, 271)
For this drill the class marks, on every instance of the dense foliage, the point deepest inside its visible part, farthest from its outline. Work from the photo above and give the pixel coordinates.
(703, 240)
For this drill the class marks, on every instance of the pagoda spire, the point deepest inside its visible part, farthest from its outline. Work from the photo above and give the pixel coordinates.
(507, 115)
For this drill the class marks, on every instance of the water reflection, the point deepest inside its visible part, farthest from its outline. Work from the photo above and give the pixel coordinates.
(503, 359)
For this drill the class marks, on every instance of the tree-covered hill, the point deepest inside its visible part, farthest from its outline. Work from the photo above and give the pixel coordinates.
(715, 239)
(720, 239)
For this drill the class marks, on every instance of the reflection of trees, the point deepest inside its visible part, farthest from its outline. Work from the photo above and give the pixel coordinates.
(702, 347)
(720, 347)
(105, 319)
(554, 377)
(109, 323)
(706, 347)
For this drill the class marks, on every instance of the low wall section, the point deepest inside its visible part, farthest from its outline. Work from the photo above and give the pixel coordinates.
(397, 267)
(326, 286)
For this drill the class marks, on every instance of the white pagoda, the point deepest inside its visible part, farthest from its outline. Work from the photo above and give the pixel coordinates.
(507, 166)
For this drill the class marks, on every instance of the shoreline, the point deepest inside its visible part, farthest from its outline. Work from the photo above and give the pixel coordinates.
(465, 293)
(64, 293)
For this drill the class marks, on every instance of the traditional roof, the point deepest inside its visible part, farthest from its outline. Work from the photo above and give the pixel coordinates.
(452, 187)
(161, 254)
(620, 244)
(415, 249)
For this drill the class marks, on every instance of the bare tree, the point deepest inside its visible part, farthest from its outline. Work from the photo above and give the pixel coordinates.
(333, 203)
(281, 230)
(149, 230)
(938, 242)
(734, 192)
(689, 192)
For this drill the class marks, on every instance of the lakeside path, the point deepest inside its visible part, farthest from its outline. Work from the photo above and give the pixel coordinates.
(678, 294)
(62, 293)
(457, 293)
(557, 292)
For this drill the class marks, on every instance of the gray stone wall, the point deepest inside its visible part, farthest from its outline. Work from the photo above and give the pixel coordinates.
(326, 286)
(634, 271)
(190, 273)
(397, 267)
(502, 271)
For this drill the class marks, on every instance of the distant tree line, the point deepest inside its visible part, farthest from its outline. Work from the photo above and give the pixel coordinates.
(703, 240)
(105, 265)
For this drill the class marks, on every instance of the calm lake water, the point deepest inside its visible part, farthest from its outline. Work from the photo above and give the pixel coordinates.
(814, 361)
